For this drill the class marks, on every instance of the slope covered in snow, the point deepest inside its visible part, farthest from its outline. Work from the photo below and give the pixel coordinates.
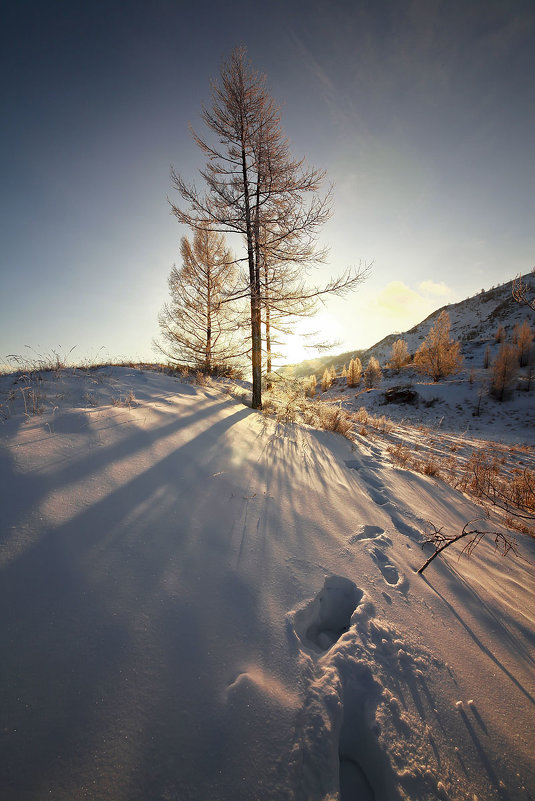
(200, 603)
(474, 322)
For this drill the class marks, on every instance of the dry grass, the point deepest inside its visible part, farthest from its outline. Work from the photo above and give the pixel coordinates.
(287, 401)
(498, 477)
(127, 400)
(400, 454)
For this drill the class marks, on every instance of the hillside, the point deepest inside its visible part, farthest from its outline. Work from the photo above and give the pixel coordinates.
(200, 602)
(474, 321)
(461, 403)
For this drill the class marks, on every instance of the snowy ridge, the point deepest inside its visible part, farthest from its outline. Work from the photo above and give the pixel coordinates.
(474, 321)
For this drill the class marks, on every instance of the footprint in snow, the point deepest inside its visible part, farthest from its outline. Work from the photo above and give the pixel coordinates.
(367, 474)
(377, 496)
(390, 572)
(367, 533)
(325, 618)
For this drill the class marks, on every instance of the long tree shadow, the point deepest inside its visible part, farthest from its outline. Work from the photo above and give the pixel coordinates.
(100, 634)
(480, 644)
(38, 486)
(473, 598)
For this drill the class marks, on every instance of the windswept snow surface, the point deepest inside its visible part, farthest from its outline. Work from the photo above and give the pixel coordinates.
(198, 603)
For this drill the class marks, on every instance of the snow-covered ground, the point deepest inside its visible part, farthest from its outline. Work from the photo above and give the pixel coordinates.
(201, 603)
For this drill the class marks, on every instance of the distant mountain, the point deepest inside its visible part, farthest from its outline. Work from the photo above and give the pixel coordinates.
(474, 321)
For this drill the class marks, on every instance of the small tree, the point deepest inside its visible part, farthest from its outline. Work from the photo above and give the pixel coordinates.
(197, 329)
(310, 386)
(373, 373)
(486, 358)
(354, 372)
(524, 339)
(523, 292)
(344, 371)
(499, 336)
(326, 380)
(399, 356)
(504, 371)
(439, 356)
(333, 373)
(514, 338)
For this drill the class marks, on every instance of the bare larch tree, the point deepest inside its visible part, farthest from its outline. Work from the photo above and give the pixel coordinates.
(255, 189)
(197, 329)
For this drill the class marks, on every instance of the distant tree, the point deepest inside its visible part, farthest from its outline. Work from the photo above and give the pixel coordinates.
(399, 356)
(524, 339)
(310, 386)
(333, 372)
(486, 358)
(439, 356)
(326, 380)
(344, 371)
(514, 338)
(504, 371)
(373, 373)
(499, 336)
(197, 329)
(354, 372)
(523, 293)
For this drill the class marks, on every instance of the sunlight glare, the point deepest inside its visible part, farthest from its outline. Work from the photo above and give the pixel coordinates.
(300, 345)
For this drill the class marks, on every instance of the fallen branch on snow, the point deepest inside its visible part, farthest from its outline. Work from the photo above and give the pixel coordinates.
(441, 541)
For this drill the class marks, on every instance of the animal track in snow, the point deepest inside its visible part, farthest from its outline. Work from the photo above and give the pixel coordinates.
(324, 619)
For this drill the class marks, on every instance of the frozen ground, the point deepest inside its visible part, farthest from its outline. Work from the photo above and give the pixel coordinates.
(199, 603)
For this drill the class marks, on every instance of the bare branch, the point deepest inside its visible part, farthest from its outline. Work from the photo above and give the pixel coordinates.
(441, 541)
(523, 293)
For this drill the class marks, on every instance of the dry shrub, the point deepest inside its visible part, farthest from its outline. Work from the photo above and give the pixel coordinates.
(285, 401)
(511, 491)
(90, 398)
(124, 400)
(430, 468)
(400, 454)
(288, 404)
(382, 424)
(333, 418)
(361, 415)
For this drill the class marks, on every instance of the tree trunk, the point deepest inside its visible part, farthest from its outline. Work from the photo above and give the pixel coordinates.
(254, 288)
(267, 323)
(209, 329)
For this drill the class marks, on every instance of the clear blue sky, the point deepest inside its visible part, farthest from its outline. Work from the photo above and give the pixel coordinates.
(422, 113)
